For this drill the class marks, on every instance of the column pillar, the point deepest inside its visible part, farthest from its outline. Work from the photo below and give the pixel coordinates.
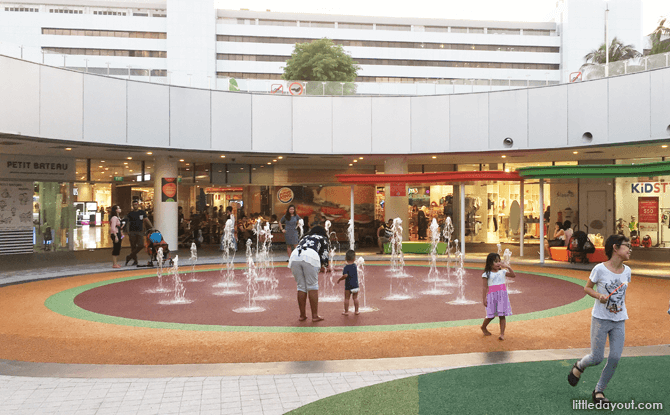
(165, 213)
(396, 206)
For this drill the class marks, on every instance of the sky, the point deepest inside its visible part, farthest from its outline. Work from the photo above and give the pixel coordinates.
(506, 10)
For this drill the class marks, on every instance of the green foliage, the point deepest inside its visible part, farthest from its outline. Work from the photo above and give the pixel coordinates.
(617, 52)
(232, 85)
(320, 60)
(658, 43)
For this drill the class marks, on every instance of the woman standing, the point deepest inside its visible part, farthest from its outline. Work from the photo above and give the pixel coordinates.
(116, 233)
(310, 257)
(289, 225)
(607, 284)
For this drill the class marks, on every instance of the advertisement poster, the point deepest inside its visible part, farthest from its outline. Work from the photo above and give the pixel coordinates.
(169, 189)
(16, 207)
(398, 189)
(647, 210)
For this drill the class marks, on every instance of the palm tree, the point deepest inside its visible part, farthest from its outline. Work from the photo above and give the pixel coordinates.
(660, 38)
(617, 52)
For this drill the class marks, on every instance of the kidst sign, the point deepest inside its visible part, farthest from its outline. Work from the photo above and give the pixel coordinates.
(41, 168)
(653, 187)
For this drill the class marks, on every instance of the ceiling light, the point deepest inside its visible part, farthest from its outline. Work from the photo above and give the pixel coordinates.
(355, 161)
(125, 162)
(664, 146)
(280, 157)
(131, 171)
(182, 160)
(241, 168)
(504, 156)
(269, 162)
(434, 157)
(351, 164)
(575, 152)
(68, 148)
(275, 160)
(223, 157)
(129, 158)
(188, 169)
(149, 153)
(360, 158)
(100, 166)
(102, 161)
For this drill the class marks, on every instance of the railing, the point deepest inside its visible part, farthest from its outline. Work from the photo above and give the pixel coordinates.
(644, 63)
(98, 65)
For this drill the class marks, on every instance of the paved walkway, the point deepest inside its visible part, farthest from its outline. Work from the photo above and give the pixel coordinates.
(252, 388)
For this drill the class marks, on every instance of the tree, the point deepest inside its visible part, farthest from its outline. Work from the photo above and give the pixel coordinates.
(660, 38)
(320, 60)
(617, 52)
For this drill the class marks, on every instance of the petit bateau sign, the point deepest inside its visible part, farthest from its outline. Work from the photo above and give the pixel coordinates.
(43, 168)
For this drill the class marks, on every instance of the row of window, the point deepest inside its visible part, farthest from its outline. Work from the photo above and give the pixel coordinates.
(399, 62)
(66, 11)
(121, 71)
(402, 28)
(404, 45)
(108, 52)
(403, 80)
(108, 13)
(104, 33)
(21, 9)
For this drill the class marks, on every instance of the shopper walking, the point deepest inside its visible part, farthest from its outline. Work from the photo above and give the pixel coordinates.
(116, 233)
(138, 222)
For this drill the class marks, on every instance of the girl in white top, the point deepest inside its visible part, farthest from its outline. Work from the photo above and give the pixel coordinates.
(495, 296)
(607, 284)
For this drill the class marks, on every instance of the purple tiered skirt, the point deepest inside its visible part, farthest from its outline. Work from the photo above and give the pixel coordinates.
(498, 302)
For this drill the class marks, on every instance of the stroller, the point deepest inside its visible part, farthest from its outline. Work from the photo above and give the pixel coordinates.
(154, 241)
(579, 246)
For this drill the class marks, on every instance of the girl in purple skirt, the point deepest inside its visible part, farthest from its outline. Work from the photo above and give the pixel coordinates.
(495, 297)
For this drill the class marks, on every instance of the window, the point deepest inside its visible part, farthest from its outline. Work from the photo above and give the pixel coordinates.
(402, 28)
(22, 9)
(277, 22)
(386, 44)
(357, 26)
(497, 31)
(103, 33)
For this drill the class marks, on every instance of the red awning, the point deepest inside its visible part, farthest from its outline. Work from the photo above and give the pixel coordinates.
(429, 178)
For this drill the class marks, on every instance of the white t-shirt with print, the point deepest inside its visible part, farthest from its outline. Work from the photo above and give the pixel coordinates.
(496, 278)
(605, 282)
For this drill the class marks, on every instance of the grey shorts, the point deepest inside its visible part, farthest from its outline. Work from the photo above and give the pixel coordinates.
(306, 276)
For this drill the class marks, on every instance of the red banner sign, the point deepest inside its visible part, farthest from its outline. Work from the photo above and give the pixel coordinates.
(647, 209)
(398, 189)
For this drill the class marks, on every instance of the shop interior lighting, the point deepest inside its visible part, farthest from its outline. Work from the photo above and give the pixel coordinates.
(269, 162)
(504, 156)
(664, 146)
(434, 157)
(223, 157)
(129, 158)
(355, 161)
(68, 148)
(149, 153)
(280, 157)
(351, 164)
(360, 158)
(575, 152)
(181, 160)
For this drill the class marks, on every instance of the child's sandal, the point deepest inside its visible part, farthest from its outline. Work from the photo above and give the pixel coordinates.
(572, 379)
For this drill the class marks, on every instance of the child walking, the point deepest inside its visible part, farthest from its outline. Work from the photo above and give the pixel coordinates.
(350, 275)
(495, 296)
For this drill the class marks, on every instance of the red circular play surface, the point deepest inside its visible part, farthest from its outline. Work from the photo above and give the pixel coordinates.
(133, 299)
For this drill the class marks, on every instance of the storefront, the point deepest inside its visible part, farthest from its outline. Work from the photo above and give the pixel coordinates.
(36, 210)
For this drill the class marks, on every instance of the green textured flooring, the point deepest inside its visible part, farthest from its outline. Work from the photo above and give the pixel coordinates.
(514, 388)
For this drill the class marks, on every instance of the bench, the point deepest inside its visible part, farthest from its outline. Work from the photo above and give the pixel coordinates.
(560, 253)
(417, 247)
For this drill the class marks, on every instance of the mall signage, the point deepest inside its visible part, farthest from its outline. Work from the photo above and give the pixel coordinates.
(16, 206)
(37, 168)
(649, 187)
